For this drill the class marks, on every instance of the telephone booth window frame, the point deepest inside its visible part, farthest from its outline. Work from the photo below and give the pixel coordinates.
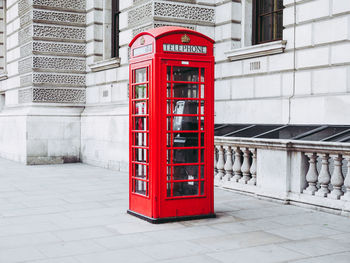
(170, 98)
(140, 131)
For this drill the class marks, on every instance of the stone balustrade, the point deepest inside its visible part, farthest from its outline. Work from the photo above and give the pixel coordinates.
(299, 172)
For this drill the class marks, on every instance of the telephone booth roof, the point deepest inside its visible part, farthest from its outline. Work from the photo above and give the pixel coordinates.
(159, 32)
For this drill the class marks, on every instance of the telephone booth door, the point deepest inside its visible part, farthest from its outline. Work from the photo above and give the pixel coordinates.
(187, 183)
(139, 136)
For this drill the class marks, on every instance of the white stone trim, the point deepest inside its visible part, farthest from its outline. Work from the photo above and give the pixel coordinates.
(265, 49)
(105, 64)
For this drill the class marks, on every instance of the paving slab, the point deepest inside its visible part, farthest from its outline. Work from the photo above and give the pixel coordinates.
(76, 213)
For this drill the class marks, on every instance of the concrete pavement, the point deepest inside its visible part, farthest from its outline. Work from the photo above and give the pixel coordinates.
(75, 213)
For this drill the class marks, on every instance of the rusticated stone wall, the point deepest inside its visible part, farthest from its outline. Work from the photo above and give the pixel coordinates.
(52, 40)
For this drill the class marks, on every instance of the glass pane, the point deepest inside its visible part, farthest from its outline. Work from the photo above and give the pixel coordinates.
(185, 74)
(141, 171)
(202, 107)
(185, 156)
(266, 6)
(185, 107)
(202, 187)
(168, 88)
(182, 90)
(141, 155)
(140, 139)
(140, 91)
(141, 123)
(202, 75)
(266, 28)
(202, 139)
(141, 187)
(140, 75)
(202, 91)
(169, 141)
(185, 123)
(185, 140)
(185, 188)
(169, 126)
(168, 189)
(202, 172)
(278, 27)
(279, 4)
(188, 172)
(140, 108)
(169, 107)
(202, 156)
(168, 73)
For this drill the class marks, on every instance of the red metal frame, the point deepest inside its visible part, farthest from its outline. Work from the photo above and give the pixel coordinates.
(157, 155)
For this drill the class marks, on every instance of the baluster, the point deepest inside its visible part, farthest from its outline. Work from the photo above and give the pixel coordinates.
(337, 179)
(245, 167)
(215, 163)
(324, 177)
(237, 165)
(221, 163)
(253, 168)
(228, 164)
(312, 174)
(346, 196)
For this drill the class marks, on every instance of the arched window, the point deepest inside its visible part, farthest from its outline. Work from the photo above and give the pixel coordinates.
(267, 20)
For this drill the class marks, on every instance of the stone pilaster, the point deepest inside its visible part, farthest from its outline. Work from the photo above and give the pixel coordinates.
(52, 47)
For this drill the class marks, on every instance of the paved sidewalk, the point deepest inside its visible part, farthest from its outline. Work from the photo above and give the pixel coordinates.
(75, 213)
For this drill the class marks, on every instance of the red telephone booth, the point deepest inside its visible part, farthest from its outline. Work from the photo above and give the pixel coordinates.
(171, 125)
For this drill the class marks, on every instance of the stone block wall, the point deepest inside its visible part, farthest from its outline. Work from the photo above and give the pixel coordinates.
(307, 83)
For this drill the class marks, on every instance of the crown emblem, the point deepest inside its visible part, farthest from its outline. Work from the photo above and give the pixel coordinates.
(142, 41)
(185, 39)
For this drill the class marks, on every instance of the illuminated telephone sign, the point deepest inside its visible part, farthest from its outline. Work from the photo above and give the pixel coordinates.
(171, 125)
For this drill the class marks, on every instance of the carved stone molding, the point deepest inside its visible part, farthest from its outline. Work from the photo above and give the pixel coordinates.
(59, 32)
(56, 63)
(58, 17)
(184, 12)
(59, 48)
(59, 79)
(140, 14)
(59, 95)
(62, 4)
(172, 24)
(51, 63)
(180, 12)
(137, 30)
(52, 95)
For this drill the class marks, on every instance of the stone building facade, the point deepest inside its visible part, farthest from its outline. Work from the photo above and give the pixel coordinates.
(64, 94)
